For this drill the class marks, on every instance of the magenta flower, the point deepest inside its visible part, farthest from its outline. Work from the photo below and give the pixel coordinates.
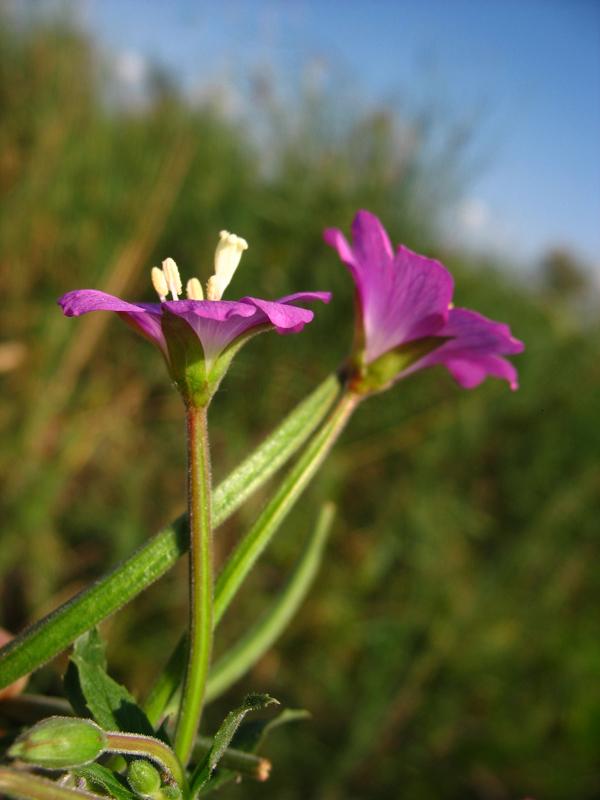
(407, 321)
(196, 333)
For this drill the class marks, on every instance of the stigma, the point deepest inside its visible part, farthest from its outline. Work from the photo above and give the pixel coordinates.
(227, 257)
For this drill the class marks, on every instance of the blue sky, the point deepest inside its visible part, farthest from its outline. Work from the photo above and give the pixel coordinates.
(531, 66)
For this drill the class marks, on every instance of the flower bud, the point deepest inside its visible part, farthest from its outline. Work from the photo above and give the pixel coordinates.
(60, 743)
(170, 793)
(143, 778)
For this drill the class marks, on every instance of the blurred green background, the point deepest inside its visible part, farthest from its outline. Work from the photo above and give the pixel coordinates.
(451, 645)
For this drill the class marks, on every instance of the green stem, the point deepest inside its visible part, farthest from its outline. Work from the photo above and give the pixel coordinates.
(132, 744)
(52, 634)
(200, 631)
(240, 761)
(26, 786)
(252, 545)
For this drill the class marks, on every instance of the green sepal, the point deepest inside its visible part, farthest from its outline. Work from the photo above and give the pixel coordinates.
(187, 363)
(60, 743)
(231, 723)
(93, 692)
(385, 370)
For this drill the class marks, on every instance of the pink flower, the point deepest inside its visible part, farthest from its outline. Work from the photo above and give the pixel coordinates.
(407, 321)
(198, 337)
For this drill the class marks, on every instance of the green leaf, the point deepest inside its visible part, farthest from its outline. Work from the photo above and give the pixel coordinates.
(252, 646)
(55, 632)
(252, 734)
(249, 549)
(259, 638)
(223, 737)
(99, 777)
(249, 737)
(109, 703)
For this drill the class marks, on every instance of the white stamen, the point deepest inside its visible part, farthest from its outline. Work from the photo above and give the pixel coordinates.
(161, 287)
(193, 289)
(450, 306)
(169, 267)
(227, 257)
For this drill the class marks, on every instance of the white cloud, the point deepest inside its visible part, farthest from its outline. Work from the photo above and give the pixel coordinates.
(474, 215)
(130, 67)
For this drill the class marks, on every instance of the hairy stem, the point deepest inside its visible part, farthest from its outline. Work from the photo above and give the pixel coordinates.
(26, 786)
(200, 631)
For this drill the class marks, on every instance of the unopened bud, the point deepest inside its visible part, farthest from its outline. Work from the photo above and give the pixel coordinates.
(169, 793)
(143, 778)
(60, 743)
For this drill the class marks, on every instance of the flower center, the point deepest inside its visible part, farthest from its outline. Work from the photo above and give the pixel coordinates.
(227, 257)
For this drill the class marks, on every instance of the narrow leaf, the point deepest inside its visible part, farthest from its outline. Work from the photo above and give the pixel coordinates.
(249, 549)
(259, 638)
(54, 633)
(223, 737)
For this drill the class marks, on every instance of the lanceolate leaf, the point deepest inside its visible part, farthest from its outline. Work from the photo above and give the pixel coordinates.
(109, 703)
(60, 628)
(223, 737)
(259, 638)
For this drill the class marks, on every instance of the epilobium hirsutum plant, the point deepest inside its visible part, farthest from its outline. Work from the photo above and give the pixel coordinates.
(405, 322)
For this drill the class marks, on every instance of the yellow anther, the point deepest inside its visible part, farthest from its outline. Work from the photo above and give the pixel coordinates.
(169, 267)
(227, 257)
(161, 287)
(193, 289)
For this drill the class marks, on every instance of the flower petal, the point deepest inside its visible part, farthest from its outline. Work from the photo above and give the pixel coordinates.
(402, 296)
(144, 317)
(216, 310)
(82, 301)
(475, 349)
(218, 323)
(469, 373)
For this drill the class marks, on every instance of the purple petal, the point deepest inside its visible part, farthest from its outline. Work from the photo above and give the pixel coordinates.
(217, 310)
(414, 304)
(475, 350)
(219, 323)
(370, 259)
(143, 317)
(402, 296)
(82, 301)
(470, 373)
(305, 297)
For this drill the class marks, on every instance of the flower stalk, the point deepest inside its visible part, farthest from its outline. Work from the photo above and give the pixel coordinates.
(200, 632)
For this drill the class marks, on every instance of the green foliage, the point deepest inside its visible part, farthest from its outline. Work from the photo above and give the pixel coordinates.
(92, 691)
(450, 646)
(98, 778)
(223, 737)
